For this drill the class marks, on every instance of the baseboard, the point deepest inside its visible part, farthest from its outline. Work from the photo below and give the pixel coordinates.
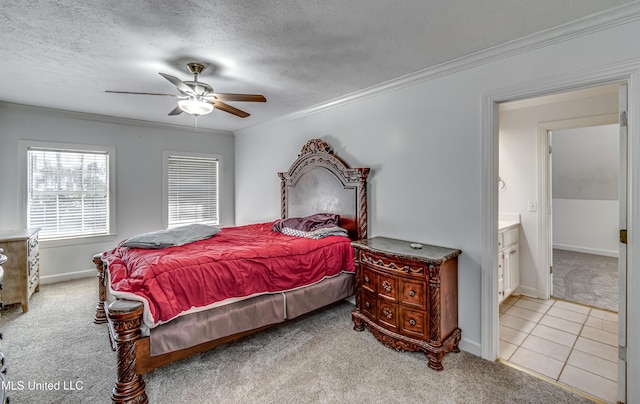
(470, 346)
(44, 280)
(595, 251)
(527, 291)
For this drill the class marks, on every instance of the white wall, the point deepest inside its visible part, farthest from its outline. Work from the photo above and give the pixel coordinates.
(586, 162)
(139, 148)
(423, 143)
(583, 225)
(585, 169)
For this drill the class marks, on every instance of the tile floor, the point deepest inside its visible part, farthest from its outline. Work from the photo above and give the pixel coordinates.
(574, 345)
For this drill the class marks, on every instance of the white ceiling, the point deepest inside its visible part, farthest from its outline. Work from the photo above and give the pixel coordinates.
(64, 54)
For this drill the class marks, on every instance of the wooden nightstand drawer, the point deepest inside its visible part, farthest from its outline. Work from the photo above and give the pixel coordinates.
(369, 305)
(395, 265)
(413, 294)
(388, 314)
(34, 279)
(33, 247)
(388, 287)
(33, 264)
(413, 323)
(368, 280)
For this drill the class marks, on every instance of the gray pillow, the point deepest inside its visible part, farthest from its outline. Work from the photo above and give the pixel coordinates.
(172, 237)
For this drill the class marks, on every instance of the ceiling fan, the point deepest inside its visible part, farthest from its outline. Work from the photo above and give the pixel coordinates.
(198, 98)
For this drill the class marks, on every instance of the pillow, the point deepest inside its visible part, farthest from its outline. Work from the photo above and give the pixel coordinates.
(307, 223)
(172, 237)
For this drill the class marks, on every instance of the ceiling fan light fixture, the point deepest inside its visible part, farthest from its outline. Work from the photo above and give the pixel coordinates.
(195, 106)
(197, 98)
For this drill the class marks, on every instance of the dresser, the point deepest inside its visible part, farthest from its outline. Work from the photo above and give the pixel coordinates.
(22, 269)
(407, 296)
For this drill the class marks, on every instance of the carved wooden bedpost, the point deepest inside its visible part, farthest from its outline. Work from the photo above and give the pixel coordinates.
(283, 196)
(126, 318)
(363, 220)
(101, 316)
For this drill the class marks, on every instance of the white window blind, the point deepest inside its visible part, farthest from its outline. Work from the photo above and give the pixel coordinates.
(192, 190)
(68, 192)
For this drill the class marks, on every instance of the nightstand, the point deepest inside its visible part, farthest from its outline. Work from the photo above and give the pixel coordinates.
(407, 296)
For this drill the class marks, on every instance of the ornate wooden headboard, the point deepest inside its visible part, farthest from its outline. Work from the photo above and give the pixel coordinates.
(320, 182)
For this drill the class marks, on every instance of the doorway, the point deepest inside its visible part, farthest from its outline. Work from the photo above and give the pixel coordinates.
(629, 312)
(583, 183)
(540, 335)
(525, 169)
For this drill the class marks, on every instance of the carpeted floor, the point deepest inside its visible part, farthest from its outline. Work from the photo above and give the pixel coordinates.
(315, 359)
(587, 279)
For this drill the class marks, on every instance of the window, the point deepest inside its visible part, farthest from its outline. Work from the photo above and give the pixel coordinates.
(68, 192)
(192, 189)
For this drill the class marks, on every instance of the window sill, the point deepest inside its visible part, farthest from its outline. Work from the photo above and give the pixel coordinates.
(62, 242)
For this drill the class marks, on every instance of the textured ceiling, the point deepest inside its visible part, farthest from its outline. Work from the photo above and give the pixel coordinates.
(64, 54)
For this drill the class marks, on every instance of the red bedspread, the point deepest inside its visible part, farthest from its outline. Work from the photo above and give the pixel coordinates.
(237, 262)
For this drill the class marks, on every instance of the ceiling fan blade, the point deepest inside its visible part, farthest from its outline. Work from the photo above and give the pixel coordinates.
(176, 111)
(178, 83)
(228, 108)
(240, 97)
(130, 92)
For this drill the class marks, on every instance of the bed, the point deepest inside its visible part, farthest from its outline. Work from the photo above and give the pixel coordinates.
(317, 182)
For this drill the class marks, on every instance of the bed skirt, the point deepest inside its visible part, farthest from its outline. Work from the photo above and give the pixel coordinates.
(200, 327)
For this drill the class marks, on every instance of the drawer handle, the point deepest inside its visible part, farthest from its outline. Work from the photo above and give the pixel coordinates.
(412, 293)
(367, 280)
(386, 285)
(367, 305)
(412, 322)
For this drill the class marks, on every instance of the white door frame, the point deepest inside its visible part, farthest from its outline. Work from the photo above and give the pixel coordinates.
(628, 72)
(544, 197)
(623, 222)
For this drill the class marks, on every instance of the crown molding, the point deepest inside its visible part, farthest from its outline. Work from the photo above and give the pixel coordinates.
(111, 119)
(584, 26)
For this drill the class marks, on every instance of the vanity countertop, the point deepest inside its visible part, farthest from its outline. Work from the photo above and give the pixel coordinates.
(504, 225)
